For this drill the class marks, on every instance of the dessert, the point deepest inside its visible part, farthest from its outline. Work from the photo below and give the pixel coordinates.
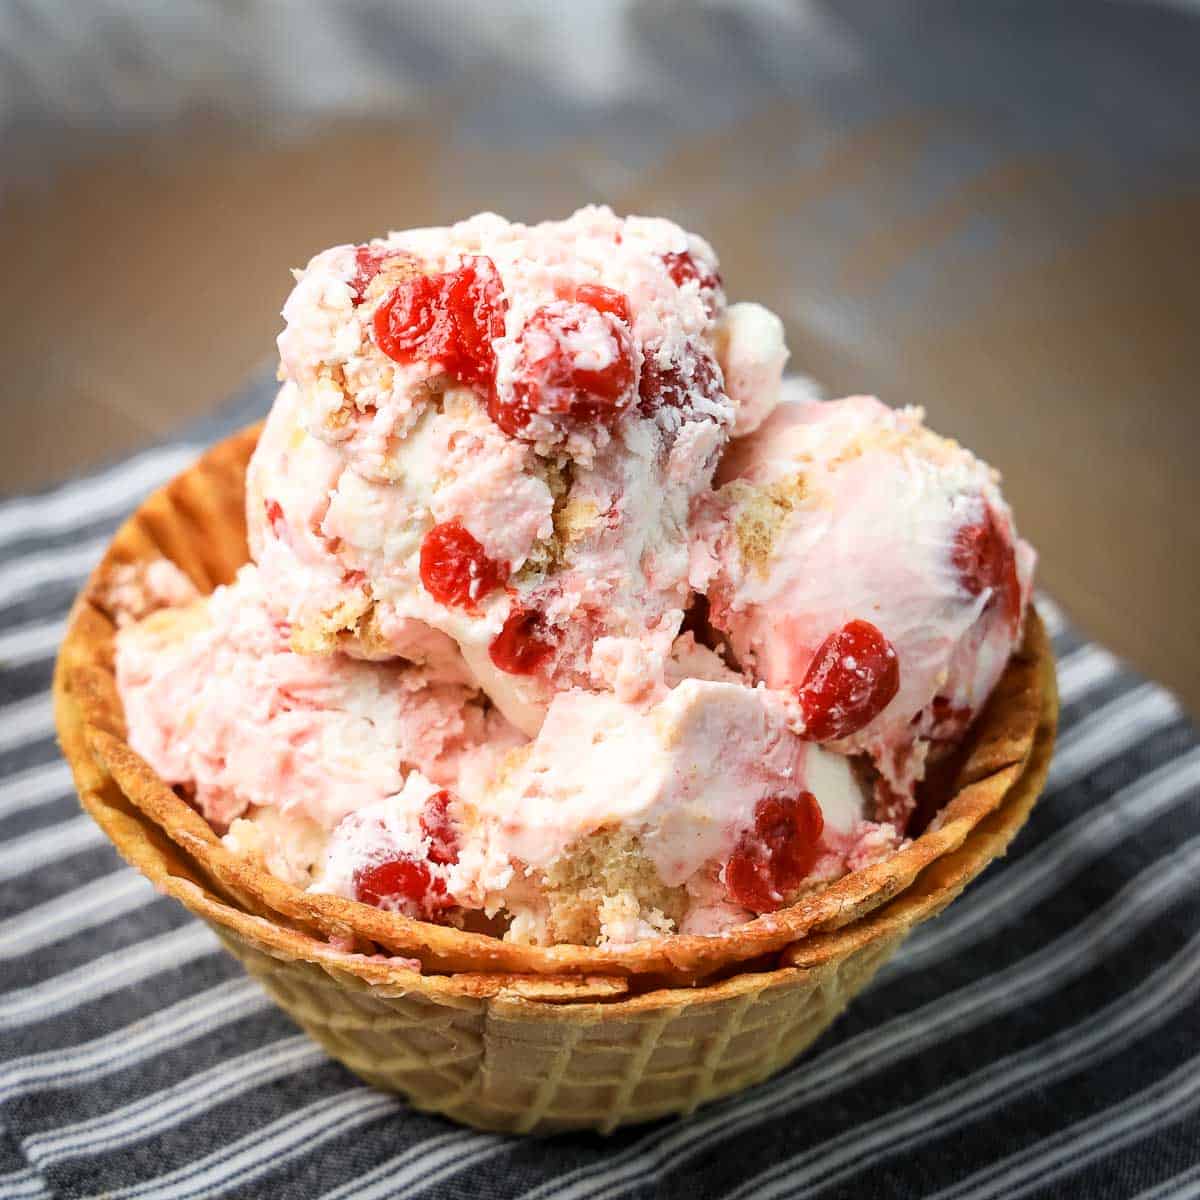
(383, 782)
(496, 432)
(568, 620)
(871, 569)
(277, 747)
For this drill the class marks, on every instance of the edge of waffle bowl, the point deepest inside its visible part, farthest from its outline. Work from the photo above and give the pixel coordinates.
(198, 522)
(539, 1054)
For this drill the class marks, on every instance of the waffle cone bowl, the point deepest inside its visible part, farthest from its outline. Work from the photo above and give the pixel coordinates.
(510, 1037)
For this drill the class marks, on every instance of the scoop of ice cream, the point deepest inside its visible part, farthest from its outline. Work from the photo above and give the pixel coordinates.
(215, 700)
(495, 432)
(377, 782)
(868, 569)
(616, 815)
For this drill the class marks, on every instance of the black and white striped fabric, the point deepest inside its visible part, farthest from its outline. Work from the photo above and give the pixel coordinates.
(1040, 1039)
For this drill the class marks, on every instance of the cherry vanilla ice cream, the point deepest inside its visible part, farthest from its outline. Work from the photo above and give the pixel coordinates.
(569, 619)
(495, 432)
(870, 569)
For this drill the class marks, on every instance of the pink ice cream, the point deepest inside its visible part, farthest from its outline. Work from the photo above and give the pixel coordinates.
(565, 614)
(215, 700)
(377, 781)
(494, 434)
(685, 774)
(870, 569)
(662, 805)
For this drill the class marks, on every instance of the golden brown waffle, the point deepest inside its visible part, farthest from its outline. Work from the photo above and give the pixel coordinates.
(540, 1053)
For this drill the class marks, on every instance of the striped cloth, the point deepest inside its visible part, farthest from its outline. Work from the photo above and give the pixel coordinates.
(1037, 1040)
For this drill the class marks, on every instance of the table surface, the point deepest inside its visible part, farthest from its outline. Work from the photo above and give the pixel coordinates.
(987, 210)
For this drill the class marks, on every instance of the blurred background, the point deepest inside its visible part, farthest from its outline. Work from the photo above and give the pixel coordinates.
(991, 209)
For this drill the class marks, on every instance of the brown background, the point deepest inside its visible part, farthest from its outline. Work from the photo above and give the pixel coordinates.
(959, 216)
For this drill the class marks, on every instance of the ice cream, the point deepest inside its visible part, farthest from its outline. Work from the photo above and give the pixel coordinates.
(869, 569)
(217, 702)
(135, 590)
(568, 619)
(623, 820)
(496, 432)
(378, 782)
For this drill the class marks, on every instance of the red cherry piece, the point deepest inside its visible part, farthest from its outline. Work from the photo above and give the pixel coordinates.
(984, 557)
(475, 301)
(437, 826)
(512, 411)
(455, 568)
(410, 323)
(772, 859)
(523, 644)
(367, 262)
(552, 376)
(403, 880)
(683, 269)
(274, 512)
(850, 681)
(449, 320)
(696, 374)
(604, 299)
